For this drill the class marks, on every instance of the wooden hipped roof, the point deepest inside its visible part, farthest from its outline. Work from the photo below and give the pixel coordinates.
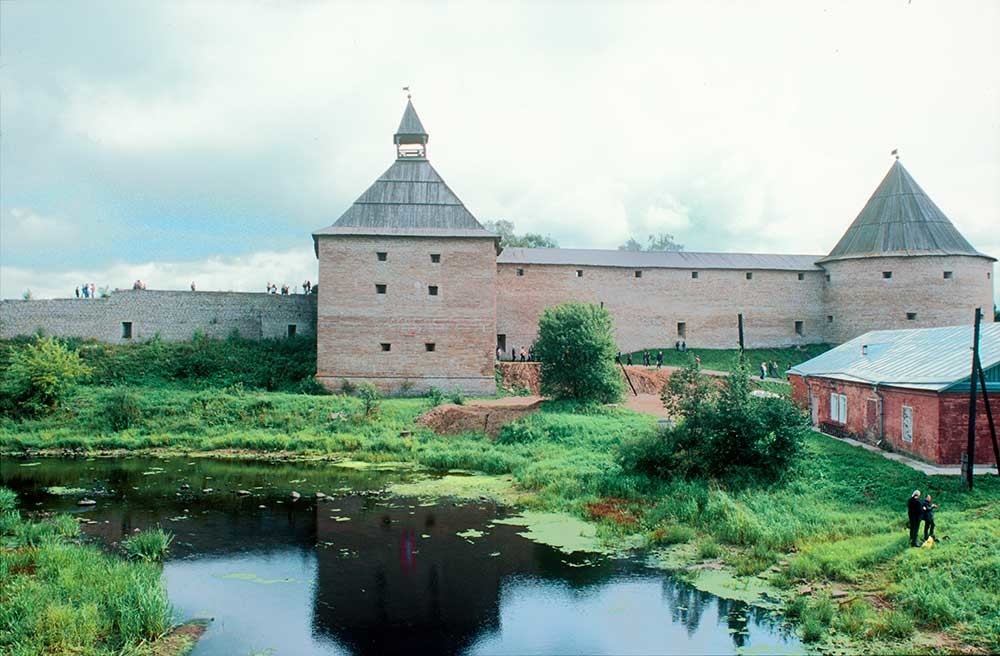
(900, 219)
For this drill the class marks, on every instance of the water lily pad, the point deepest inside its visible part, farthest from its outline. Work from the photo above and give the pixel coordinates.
(470, 533)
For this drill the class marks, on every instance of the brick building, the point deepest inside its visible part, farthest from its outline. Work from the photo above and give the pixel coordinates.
(901, 263)
(414, 292)
(908, 389)
(407, 282)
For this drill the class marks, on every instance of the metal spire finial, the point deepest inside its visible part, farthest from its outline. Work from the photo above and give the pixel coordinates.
(407, 90)
(895, 151)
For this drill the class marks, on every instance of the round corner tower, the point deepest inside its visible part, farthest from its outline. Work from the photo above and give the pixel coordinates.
(902, 264)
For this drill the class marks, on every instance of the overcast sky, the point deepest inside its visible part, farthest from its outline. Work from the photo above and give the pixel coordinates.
(194, 141)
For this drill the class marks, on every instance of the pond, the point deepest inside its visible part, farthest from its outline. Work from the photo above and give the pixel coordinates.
(363, 571)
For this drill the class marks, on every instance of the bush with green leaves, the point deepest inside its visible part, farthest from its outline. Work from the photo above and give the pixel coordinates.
(40, 375)
(371, 399)
(435, 396)
(576, 347)
(724, 431)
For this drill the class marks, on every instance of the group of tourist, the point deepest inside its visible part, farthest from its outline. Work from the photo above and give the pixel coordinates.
(647, 359)
(770, 369)
(307, 288)
(87, 290)
(921, 510)
(138, 284)
(526, 355)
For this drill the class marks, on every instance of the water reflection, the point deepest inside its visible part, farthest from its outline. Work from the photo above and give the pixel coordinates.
(364, 572)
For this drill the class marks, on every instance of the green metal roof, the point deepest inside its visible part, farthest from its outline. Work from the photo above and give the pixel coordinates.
(900, 219)
(936, 359)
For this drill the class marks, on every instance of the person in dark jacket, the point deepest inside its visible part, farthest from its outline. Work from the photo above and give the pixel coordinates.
(915, 511)
(928, 517)
(659, 359)
(629, 358)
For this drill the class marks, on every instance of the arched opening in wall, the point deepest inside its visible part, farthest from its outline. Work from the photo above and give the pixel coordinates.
(682, 329)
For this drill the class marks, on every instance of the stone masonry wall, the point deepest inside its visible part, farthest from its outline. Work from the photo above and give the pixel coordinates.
(860, 299)
(647, 309)
(354, 320)
(173, 315)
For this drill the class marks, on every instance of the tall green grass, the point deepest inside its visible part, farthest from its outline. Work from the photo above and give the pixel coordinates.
(725, 359)
(61, 597)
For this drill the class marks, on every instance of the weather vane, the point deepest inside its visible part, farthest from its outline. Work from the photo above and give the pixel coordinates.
(895, 151)
(407, 90)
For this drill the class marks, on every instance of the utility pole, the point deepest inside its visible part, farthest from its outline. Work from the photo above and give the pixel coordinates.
(971, 448)
(740, 320)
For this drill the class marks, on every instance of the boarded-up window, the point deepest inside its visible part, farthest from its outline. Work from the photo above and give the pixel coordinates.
(907, 432)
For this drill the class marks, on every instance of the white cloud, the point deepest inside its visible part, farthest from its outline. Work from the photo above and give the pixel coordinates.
(245, 273)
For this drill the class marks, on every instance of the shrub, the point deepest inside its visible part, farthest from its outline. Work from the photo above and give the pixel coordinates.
(673, 534)
(457, 397)
(348, 388)
(40, 375)
(313, 387)
(122, 411)
(724, 432)
(435, 396)
(576, 348)
(709, 549)
(152, 545)
(406, 388)
(371, 399)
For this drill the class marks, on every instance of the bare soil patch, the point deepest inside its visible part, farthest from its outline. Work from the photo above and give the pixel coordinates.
(487, 416)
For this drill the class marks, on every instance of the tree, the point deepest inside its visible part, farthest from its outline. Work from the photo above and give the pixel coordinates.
(505, 229)
(576, 347)
(40, 375)
(724, 431)
(655, 243)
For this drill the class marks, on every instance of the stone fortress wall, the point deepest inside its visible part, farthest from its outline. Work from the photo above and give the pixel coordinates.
(130, 315)
(665, 305)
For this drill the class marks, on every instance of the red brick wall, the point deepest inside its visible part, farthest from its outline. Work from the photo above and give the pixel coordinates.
(925, 422)
(954, 427)
(940, 421)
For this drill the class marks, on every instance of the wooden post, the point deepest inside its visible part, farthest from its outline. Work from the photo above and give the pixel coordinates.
(625, 371)
(740, 320)
(971, 449)
(989, 415)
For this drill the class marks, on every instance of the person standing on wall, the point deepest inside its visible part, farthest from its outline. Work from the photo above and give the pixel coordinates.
(914, 511)
(78, 292)
(659, 359)
(763, 370)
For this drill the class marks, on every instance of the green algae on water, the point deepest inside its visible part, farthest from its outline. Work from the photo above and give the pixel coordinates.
(564, 532)
(499, 489)
(60, 491)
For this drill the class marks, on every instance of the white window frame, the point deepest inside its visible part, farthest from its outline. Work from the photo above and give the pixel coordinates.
(838, 407)
(906, 422)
